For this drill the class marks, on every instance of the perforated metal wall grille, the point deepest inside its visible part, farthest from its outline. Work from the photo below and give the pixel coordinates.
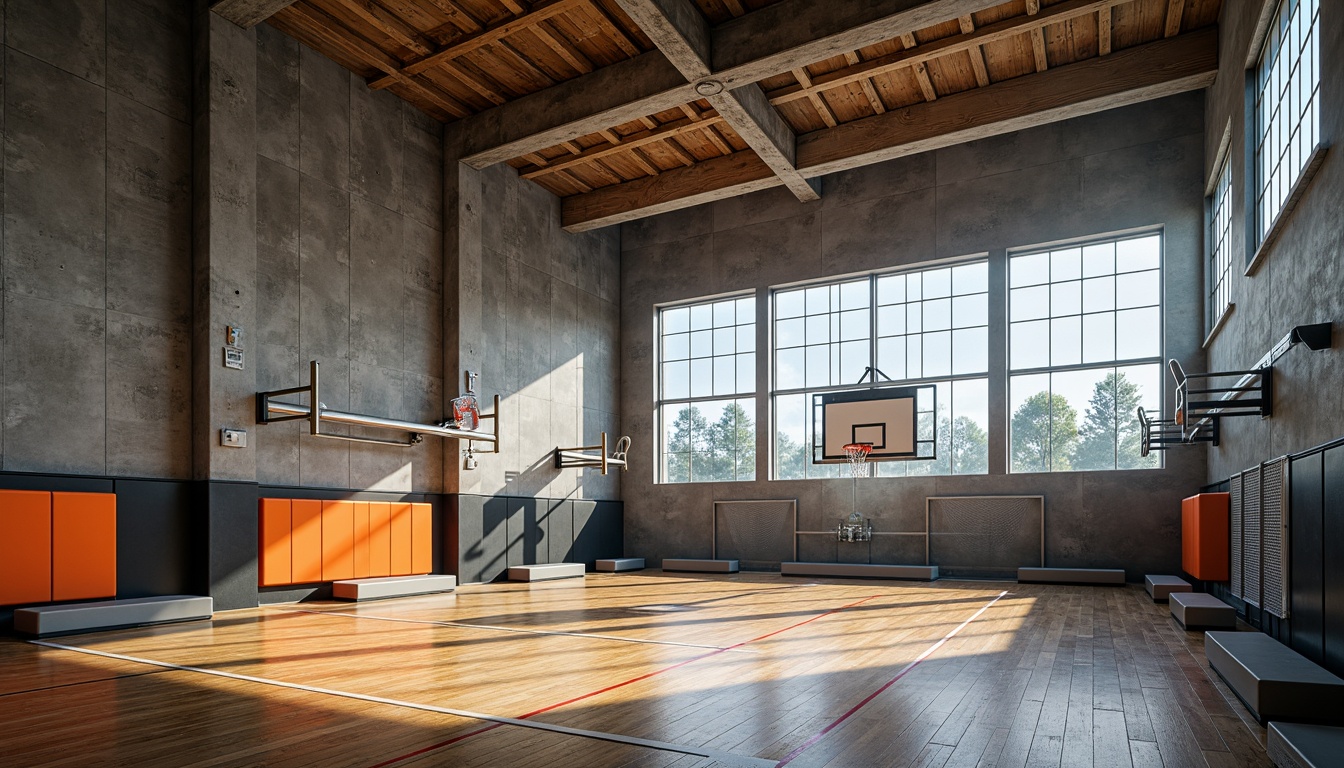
(1250, 536)
(759, 534)
(986, 535)
(1234, 504)
(1274, 544)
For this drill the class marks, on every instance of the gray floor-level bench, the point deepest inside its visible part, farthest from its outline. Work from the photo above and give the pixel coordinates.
(861, 571)
(1274, 681)
(1161, 587)
(1101, 576)
(546, 572)
(615, 564)
(1298, 745)
(691, 565)
(383, 587)
(47, 620)
(1200, 611)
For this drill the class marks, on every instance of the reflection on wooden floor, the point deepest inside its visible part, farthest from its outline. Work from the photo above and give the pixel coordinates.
(642, 670)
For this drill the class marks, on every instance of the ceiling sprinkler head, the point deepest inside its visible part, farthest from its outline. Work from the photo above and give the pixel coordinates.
(708, 87)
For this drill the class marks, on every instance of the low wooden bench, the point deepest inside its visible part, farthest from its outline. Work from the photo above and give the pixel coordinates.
(692, 565)
(614, 564)
(1101, 576)
(1199, 611)
(861, 571)
(383, 587)
(546, 571)
(69, 619)
(1274, 681)
(1161, 587)
(1298, 745)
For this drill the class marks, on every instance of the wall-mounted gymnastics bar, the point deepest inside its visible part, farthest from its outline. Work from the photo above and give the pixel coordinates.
(270, 411)
(570, 458)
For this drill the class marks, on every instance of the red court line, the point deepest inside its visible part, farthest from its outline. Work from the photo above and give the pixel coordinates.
(904, 671)
(646, 676)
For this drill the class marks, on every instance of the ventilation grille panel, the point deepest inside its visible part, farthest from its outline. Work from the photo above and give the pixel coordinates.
(1250, 536)
(1234, 504)
(1274, 520)
(986, 535)
(759, 534)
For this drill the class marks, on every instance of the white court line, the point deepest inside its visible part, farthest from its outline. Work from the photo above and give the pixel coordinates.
(663, 746)
(520, 630)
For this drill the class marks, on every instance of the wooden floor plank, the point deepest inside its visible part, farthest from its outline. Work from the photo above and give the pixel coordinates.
(1047, 676)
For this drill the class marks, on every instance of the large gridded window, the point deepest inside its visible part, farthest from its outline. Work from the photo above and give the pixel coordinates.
(1220, 257)
(1287, 107)
(1084, 352)
(929, 326)
(707, 383)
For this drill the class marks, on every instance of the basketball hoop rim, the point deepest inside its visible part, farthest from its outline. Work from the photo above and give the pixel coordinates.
(860, 449)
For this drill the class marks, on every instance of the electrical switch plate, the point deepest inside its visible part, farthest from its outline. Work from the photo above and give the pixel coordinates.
(233, 438)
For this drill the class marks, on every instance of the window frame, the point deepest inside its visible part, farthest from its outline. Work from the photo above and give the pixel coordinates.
(1114, 362)
(873, 341)
(1218, 290)
(1263, 232)
(660, 402)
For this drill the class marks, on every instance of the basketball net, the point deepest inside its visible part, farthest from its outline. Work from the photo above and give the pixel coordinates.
(857, 454)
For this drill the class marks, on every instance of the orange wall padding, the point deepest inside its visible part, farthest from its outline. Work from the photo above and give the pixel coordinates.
(401, 539)
(422, 538)
(25, 547)
(276, 554)
(83, 545)
(306, 541)
(303, 541)
(380, 538)
(1205, 536)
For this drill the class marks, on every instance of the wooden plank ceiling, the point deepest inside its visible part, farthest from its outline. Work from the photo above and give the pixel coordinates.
(458, 58)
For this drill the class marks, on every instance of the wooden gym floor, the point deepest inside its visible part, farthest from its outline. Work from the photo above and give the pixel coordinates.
(646, 669)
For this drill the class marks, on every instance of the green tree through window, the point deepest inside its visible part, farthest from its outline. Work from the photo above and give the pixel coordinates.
(1043, 426)
(1109, 438)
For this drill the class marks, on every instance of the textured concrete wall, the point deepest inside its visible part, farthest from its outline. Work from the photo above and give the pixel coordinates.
(537, 315)
(1134, 167)
(1301, 278)
(349, 267)
(96, 241)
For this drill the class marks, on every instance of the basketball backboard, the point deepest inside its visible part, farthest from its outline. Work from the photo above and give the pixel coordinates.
(886, 417)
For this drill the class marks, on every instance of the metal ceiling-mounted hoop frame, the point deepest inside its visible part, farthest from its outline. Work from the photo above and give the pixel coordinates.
(270, 411)
(571, 458)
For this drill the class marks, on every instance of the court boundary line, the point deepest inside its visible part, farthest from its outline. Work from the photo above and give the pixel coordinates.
(646, 676)
(838, 722)
(497, 720)
(521, 630)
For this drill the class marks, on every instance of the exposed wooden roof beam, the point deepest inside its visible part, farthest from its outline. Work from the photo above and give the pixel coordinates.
(1175, 10)
(977, 55)
(1183, 63)
(745, 50)
(633, 141)
(1002, 30)
(682, 34)
(486, 36)
(1104, 31)
(1038, 48)
(248, 13)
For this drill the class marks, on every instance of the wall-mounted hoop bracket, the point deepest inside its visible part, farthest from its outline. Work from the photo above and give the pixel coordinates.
(1162, 434)
(571, 458)
(270, 411)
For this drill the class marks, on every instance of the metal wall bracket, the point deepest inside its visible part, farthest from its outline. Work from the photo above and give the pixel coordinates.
(270, 411)
(570, 458)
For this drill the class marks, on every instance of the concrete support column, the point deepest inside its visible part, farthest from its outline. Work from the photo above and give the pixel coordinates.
(224, 279)
(998, 362)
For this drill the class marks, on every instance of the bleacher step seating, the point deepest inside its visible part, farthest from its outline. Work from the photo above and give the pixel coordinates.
(546, 571)
(1198, 611)
(392, 586)
(1297, 745)
(111, 614)
(861, 570)
(692, 565)
(614, 564)
(1103, 576)
(1161, 587)
(1274, 681)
